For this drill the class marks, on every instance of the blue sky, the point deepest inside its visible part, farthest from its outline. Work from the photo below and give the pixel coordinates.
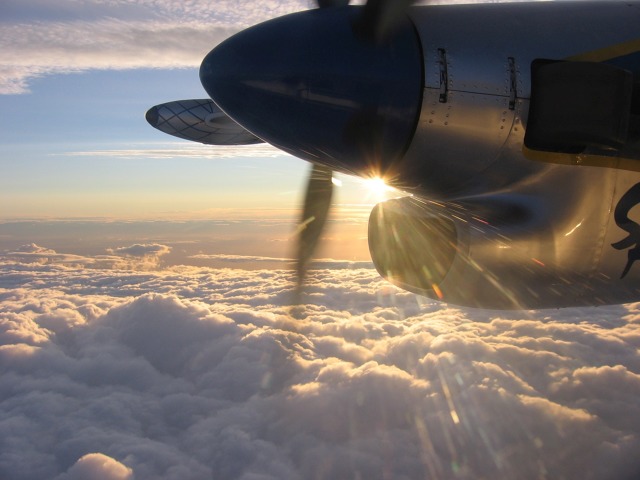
(78, 145)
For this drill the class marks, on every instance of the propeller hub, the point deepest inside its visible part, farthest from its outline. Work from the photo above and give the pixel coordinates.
(309, 84)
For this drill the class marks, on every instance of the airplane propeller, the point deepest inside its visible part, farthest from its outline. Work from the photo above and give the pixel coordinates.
(379, 17)
(291, 68)
(332, 3)
(378, 20)
(314, 217)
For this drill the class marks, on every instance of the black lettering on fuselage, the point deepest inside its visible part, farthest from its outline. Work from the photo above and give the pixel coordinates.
(621, 217)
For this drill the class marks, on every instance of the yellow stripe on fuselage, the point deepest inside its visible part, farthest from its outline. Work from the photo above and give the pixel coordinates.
(583, 159)
(607, 53)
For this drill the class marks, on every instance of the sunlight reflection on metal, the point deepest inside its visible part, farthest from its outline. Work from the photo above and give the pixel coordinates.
(437, 290)
(480, 220)
(574, 228)
(429, 247)
(302, 225)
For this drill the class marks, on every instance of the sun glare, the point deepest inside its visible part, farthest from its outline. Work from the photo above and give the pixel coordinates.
(376, 186)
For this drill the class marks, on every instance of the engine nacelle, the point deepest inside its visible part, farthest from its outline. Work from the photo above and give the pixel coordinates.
(507, 251)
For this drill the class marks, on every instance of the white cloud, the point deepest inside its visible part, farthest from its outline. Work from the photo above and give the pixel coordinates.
(133, 257)
(32, 248)
(33, 49)
(96, 466)
(320, 263)
(199, 373)
(142, 250)
(66, 36)
(186, 150)
(238, 258)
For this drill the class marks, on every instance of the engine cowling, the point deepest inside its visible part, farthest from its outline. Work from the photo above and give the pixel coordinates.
(503, 251)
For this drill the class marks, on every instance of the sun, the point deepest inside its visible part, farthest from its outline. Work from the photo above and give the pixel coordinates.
(376, 187)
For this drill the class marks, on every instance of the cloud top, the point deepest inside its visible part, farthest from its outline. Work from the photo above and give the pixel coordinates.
(134, 257)
(193, 373)
(142, 250)
(96, 466)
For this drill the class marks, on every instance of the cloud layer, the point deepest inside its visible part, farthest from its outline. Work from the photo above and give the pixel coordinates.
(64, 36)
(146, 256)
(186, 150)
(190, 373)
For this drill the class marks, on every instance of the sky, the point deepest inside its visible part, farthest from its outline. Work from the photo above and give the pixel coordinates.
(77, 78)
(146, 330)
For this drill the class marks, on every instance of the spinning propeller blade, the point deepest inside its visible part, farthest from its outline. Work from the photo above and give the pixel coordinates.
(379, 17)
(332, 3)
(314, 216)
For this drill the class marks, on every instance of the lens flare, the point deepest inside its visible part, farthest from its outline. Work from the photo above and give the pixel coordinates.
(377, 189)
